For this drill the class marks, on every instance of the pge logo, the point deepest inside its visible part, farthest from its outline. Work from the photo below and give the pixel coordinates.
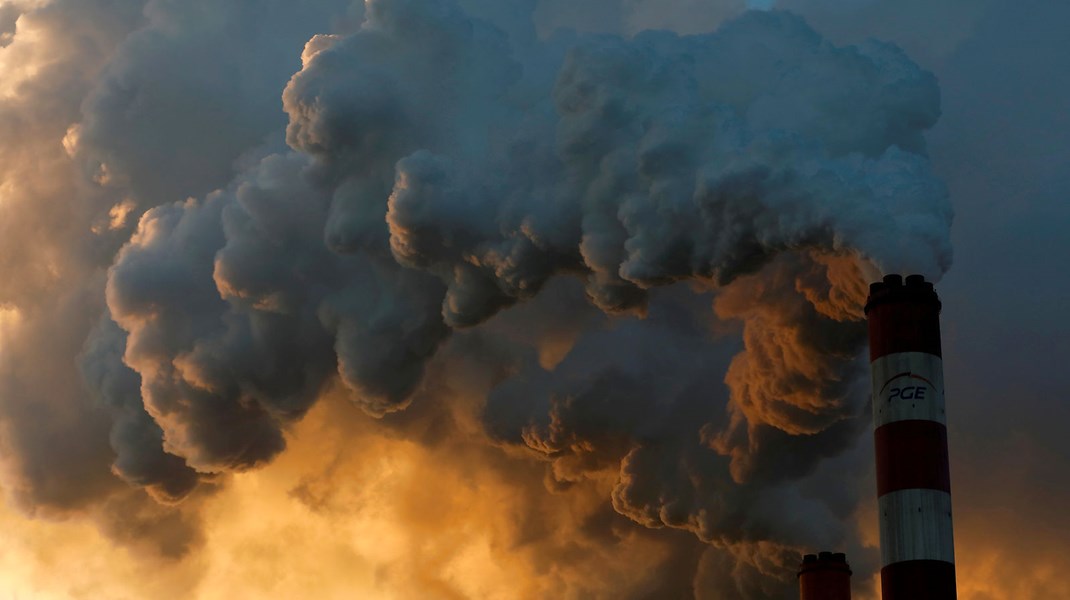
(907, 393)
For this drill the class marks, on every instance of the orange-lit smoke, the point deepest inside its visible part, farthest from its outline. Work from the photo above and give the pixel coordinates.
(352, 511)
(207, 443)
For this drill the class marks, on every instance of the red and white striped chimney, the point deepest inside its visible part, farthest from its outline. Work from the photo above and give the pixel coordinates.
(910, 434)
(825, 576)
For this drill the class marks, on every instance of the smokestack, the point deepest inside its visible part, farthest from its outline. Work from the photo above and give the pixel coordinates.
(825, 577)
(910, 435)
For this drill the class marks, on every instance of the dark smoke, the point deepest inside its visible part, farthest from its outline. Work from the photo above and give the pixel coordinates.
(657, 244)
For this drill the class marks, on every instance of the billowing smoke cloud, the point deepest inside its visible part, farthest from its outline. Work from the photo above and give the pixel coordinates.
(76, 74)
(650, 162)
(650, 251)
(54, 439)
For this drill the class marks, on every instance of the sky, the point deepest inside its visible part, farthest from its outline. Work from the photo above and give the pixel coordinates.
(529, 299)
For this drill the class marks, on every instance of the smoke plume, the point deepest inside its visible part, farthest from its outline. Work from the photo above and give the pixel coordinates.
(627, 268)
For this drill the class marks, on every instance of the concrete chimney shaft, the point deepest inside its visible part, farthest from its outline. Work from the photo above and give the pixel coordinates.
(910, 435)
(825, 577)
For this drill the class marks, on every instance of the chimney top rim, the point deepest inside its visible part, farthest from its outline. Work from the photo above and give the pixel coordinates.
(893, 289)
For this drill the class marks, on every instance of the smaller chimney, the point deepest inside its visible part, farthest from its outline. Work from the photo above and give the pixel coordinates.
(825, 576)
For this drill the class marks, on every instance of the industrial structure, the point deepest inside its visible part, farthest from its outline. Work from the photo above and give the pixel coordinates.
(910, 435)
(825, 576)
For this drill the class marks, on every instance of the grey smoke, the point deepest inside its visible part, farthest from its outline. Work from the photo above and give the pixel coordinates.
(98, 83)
(435, 184)
(453, 183)
(650, 162)
(668, 162)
